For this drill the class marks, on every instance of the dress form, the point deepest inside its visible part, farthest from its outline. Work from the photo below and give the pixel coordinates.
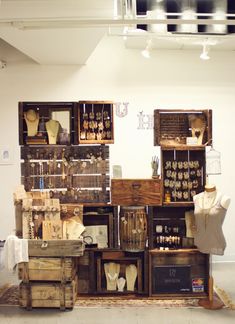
(31, 118)
(214, 205)
(52, 127)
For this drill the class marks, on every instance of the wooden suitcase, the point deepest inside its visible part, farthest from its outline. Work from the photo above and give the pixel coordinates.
(48, 295)
(136, 192)
(56, 248)
(47, 269)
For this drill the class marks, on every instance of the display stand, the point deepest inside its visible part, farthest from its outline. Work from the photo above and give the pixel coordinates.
(212, 302)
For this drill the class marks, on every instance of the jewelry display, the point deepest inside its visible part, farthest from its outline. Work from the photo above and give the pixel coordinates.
(111, 270)
(131, 275)
(181, 177)
(31, 118)
(96, 122)
(121, 284)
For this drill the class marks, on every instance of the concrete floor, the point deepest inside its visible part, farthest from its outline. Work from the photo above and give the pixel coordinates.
(224, 277)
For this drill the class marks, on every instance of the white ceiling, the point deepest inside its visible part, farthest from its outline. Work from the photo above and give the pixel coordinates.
(63, 45)
(58, 45)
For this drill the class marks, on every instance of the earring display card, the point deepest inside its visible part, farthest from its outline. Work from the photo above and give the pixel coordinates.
(95, 122)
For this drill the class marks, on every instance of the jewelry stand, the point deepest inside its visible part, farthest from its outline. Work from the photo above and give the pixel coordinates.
(131, 275)
(212, 302)
(111, 272)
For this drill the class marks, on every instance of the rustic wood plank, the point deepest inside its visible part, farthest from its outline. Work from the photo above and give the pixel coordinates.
(56, 248)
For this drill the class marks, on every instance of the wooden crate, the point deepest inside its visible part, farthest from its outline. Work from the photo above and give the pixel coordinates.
(83, 172)
(103, 134)
(45, 110)
(48, 295)
(136, 192)
(86, 273)
(123, 261)
(166, 221)
(183, 173)
(47, 269)
(192, 267)
(172, 127)
(56, 248)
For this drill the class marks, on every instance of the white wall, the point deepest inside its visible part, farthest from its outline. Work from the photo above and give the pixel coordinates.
(168, 80)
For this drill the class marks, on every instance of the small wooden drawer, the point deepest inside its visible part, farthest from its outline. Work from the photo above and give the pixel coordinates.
(48, 295)
(56, 248)
(137, 192)
(47, 269)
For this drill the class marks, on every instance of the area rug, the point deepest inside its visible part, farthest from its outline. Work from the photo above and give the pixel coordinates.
(9, 296)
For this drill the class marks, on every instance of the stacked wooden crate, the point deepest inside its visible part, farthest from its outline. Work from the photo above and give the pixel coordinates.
(49, 279)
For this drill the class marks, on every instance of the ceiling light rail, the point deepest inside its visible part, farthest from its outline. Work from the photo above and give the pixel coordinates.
(48, 23)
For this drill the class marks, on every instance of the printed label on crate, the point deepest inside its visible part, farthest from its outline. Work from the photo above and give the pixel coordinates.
(198, 285)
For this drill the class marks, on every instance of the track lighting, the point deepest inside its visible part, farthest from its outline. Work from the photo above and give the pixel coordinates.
(205, 52)
(146, 51)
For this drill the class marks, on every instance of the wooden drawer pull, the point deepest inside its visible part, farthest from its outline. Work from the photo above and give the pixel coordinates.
(136, 186)
(44, 245)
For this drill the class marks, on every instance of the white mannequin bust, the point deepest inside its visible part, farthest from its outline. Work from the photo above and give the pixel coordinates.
(31, 118)
(210, 197)
(52, 127)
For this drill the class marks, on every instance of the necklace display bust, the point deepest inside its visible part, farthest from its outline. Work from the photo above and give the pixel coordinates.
(210, 208)
(52, 127)
(31, 118)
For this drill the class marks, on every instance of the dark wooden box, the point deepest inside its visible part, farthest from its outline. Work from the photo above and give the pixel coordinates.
(95, 122)
(172, 127)
(167, 267)
(45, 111)
(183, 174)
(136, 192)
(165, 222)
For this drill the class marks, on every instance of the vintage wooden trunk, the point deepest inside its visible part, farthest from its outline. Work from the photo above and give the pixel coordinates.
(178, 273)
(48, 269)
(48, 295)
(136, 192)
(172, 127)
(56, 248)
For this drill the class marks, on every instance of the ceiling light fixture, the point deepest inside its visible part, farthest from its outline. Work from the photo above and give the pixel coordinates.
(205, 52)
(146, 51)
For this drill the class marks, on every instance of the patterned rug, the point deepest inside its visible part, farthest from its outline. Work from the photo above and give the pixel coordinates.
(9, 296)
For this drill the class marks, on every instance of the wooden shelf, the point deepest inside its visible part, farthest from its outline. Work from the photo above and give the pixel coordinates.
(183, 147)
(179, 204)
(154, 251)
